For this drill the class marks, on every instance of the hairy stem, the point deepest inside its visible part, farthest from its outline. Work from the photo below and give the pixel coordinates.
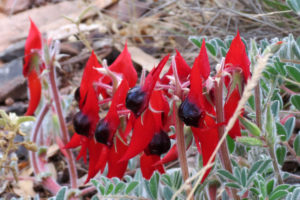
(181, 146)
(47, 182)
(63, 126)
(275, 163)
(223, 151)
(257, 105)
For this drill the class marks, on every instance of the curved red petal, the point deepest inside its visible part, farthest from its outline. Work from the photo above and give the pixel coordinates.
(229, 109)
(237, 56)
(123, 65)
(147, 167)
(170, 156)
(98, 158)
(83, 150)
(158, 102)
(35, 90)
(202, 62)
(33, 41)
(142, 134)
(195, 95)
(153, 76)
(88, 95)
(208, 140)
(74, 142)
(116, 168)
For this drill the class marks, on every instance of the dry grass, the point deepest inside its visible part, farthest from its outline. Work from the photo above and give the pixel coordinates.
(160, 27)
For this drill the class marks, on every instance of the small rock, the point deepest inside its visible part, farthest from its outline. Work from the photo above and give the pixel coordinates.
(9, 101)
(14, 51)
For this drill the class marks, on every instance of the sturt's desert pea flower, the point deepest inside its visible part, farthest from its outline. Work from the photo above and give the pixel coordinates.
(196, 112)
(138, 97)
(236, 63)
(32, 67)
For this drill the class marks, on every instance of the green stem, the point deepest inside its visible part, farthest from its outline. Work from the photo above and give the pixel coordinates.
(275, 163)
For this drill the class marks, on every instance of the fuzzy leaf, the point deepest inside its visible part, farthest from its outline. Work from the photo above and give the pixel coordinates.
(131, 186)
(251, 141)
(119, 188)
(61, 193)
(281, 131)
(289, 126)
(278, 195)
(297, 145)
(280, 154)
(233, 185)
(227, 175)
(296, 101)
(294, 73)
(252, 127)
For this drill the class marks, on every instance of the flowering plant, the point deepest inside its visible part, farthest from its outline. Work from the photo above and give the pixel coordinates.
(188, 105)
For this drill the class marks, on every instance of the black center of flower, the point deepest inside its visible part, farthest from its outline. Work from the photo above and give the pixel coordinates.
(159, 144)
(102, 133)
(135, 99)
(189, 113)
(81, 124)
(77, 94)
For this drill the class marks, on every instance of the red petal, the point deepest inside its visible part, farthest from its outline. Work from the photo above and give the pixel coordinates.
(170, 156)
(116, 168)
(83, 150)
(123, 65)
(118, 100)
(35, 90)
(237, 56)
(97, 152)
(147, 167)
(153, 76)
(158, 102)
(74, 142)
(88, 95)
(182, 67)
(141, 135)
(195, 94)
(209, 141)
(202, 62)
(229, 109)
(33, 41)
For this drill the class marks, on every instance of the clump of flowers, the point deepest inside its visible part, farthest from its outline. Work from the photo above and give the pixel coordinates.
(141, 114)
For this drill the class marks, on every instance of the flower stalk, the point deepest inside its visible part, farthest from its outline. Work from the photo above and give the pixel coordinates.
(223, 151)
(47, 182)
(181, 146)
(64, 131)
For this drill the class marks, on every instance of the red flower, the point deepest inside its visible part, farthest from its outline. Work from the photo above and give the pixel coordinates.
(193, 110)
(138, 97)
(194, 106)
(103, 143)
(123, 66)
(182, 67)
(86, 119)
(148, 135)
(236, 61)
(31, 67)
